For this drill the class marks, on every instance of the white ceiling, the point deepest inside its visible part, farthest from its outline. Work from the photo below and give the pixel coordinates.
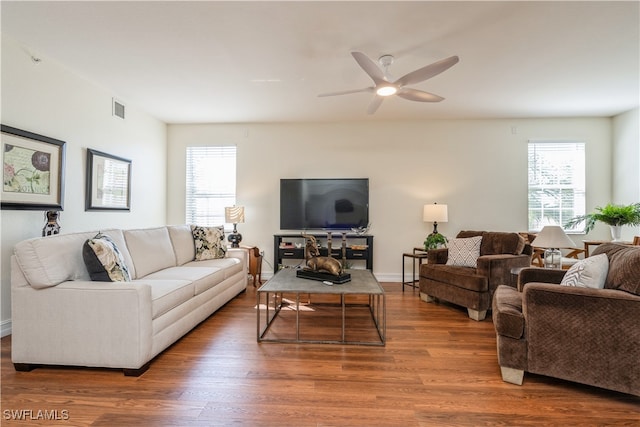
(209, 61)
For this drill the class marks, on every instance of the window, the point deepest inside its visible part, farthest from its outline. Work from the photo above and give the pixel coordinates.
(211, 184)
(556, 182)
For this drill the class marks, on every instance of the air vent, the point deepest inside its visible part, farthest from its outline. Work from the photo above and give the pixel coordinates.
(118, 109)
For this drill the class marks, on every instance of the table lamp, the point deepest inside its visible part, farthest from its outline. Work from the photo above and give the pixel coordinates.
(552, 238)
(234, 215)
(435, 213)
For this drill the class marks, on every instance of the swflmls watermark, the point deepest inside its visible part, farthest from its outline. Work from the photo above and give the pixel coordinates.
(34, 415)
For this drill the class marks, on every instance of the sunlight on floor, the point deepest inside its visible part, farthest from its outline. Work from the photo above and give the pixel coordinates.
(288, 304)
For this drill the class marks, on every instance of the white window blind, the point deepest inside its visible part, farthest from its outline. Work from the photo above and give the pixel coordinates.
(556, 182)
(211, 184)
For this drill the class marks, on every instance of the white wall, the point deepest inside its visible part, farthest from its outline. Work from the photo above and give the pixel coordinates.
(48, 99)
(626, 160)
(477, 167)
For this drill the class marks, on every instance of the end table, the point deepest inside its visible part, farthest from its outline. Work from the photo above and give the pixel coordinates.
(255, 263)
(418, 254)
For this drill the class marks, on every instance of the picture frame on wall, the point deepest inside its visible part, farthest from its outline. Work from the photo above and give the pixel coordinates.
(108, 182)
(33, 170)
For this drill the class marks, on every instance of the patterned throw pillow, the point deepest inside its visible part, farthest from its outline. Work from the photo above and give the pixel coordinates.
(464, 252)
(588, 273)
(104, 261)
(209, 242)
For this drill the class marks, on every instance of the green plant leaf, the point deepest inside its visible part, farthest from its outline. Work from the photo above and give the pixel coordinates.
(611, 214)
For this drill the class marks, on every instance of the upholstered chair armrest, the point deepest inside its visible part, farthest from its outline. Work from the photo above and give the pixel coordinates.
(437, 256)
(585, 335)
(497, 268)
(544, 275)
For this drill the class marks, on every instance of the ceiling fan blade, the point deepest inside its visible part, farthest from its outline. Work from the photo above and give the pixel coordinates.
(375, 103)
(346, 92)
(427, 72)
(369, 67)
(418, 95)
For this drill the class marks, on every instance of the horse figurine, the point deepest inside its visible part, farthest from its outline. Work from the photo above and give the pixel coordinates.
(318, 263)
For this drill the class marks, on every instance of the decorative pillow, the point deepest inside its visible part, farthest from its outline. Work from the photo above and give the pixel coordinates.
(588, 273)
(209, 242)
(104, 261)
(464, 252)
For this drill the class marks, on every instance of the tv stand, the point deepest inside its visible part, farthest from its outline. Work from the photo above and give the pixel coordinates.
(296, 249)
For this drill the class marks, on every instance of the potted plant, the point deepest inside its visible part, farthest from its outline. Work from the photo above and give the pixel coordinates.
(613, 215)
(434, 240)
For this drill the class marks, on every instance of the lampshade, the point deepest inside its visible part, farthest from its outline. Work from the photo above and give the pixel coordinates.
(552, 236)
(435, 213)
(234, 215)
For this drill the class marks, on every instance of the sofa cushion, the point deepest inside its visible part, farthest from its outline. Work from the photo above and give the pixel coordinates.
(182, 241)
(464, 252)
(497, 242)
(624, 264)
(203, 278)
(507, 314)
(588, 273)
(462, 277)
(104, 260)
(49, 261)
(209, 242)
(229, 265)
(150, 249)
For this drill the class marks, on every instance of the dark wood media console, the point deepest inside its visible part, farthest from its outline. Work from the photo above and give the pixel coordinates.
(293, 252)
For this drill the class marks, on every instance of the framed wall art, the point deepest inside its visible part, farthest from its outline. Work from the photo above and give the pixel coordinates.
(108, 182)
(33, 170)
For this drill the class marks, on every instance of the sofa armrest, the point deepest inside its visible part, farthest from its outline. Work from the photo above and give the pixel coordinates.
(497, 268)
(537, 274)
(243, 255)
(585, 335)
(83, 323)
(437, 256)
(239, 253)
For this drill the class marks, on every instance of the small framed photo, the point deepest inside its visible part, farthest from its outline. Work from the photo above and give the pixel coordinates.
(108, 182)
(33, 171)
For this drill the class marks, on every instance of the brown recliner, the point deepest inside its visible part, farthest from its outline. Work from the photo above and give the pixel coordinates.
(590, 336)
(471, 287)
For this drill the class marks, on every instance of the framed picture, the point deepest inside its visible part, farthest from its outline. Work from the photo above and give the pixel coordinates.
(108, 182)
(33, 170)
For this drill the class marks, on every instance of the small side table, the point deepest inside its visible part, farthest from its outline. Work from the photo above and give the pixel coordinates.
(419, 255)
(255, 263)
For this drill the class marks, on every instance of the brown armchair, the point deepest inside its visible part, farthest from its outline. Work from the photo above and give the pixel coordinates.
(586, 335)
(473, 287)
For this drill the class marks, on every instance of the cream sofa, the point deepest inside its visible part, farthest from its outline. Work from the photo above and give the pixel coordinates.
(61, 317)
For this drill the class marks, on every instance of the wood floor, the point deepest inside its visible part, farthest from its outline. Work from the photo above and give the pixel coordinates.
(438, 368)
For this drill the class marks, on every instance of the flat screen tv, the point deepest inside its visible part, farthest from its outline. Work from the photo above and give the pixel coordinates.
(324, 204)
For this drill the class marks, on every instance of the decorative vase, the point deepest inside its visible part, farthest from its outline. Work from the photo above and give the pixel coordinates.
(52, 226)
(615, 232)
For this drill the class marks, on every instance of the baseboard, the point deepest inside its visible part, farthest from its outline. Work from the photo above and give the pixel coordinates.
(5, 328)
(388, 277)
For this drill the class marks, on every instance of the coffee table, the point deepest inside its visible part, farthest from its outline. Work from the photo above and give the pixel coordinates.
(270, 302)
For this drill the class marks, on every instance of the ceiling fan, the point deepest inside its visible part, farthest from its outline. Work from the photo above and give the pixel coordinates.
(385, 86)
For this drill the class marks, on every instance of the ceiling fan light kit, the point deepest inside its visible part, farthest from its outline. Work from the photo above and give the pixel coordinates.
(386, 90)
(385, 87)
